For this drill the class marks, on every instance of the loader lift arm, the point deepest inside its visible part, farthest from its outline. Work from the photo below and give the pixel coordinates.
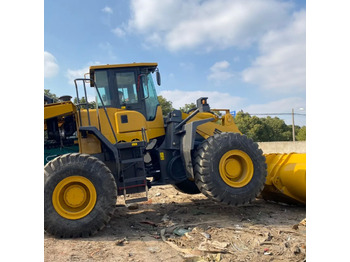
(59, 109)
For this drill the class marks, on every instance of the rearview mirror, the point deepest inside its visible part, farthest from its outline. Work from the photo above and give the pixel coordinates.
(158, 78)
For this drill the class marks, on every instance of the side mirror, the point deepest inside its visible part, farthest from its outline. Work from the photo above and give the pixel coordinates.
(158, 78)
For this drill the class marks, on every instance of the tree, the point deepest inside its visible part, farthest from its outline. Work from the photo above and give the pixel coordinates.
(51, 95)
(167, 106)
(264, 129)
(278, 130)
(188, 107)
(244, 123)
(82, 100)
(301, 134)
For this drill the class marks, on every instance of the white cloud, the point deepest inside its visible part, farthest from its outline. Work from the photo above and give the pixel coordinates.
(187, 65)
(281, 66)
(215, 99)
(209, 24)
(73, 74)
(107, 10)
(219, 71)
(108, 48)
(78, 73)
(282, 106)
(118, 32)
(51, 67)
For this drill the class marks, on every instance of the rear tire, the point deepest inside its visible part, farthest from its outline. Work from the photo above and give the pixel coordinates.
(230, 168)
(80, 195)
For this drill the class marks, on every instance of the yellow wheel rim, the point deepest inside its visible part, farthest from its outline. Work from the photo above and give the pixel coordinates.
(74, 197)
(236, 168)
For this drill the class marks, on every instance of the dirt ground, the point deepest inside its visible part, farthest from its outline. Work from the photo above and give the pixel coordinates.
(173, 226)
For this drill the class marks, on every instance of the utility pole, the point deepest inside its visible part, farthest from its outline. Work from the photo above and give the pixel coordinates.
(293, 130)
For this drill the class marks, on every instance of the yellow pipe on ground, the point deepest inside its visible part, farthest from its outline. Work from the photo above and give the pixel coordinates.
(286, 178)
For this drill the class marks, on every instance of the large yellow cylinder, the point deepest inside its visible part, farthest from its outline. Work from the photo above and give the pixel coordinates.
(286, 174)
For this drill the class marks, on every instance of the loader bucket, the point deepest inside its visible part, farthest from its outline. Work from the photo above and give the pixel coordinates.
(286, 178)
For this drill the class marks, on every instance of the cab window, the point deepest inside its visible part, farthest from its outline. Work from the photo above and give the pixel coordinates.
(127, 91)
(151, 98)
(103, 88)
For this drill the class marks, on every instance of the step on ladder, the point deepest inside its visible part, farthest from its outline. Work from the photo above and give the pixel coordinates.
(133, 173)
(135, 200)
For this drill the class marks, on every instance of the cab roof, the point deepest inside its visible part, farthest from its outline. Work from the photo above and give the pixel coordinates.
(150, 66)
(93, 68)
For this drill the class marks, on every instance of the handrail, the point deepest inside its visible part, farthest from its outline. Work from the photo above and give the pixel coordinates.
(99, 95)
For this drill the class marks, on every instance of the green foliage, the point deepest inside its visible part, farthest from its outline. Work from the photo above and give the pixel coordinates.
(187, 107)
(167, 106)
(267, 129)
(301, 134)
(277, 129)
(82, 100)
(51, 95)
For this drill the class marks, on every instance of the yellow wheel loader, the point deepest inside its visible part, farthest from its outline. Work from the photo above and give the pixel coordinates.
(126, 146)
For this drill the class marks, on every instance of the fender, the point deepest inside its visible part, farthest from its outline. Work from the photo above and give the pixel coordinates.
(113, 149)
(187, 144)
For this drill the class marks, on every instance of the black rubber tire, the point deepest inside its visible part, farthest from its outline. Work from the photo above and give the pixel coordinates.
(187, 187)
(207, 175)
(106, 190)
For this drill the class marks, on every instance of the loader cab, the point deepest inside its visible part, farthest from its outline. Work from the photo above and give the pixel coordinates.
(127, 86)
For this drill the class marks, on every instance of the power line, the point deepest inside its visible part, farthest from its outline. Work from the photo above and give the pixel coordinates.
(264, 114)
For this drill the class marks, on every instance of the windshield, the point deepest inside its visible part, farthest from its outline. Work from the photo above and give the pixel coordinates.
(127, 89)
(103, 88)
(151, 98)
(126, 84)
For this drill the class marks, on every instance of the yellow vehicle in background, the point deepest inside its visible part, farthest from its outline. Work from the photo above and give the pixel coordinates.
(286, 178)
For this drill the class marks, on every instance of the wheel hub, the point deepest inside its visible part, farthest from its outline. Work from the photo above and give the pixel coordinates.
(233, 168)
(236, 168)
(74, 197)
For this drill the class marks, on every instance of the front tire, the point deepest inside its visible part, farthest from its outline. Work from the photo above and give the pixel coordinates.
(230, 168)
(80, 195)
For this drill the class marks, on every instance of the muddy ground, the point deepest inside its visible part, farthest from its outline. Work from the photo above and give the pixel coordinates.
(173, 226)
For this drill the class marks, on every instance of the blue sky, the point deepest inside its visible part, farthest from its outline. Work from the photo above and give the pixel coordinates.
(243, 55)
